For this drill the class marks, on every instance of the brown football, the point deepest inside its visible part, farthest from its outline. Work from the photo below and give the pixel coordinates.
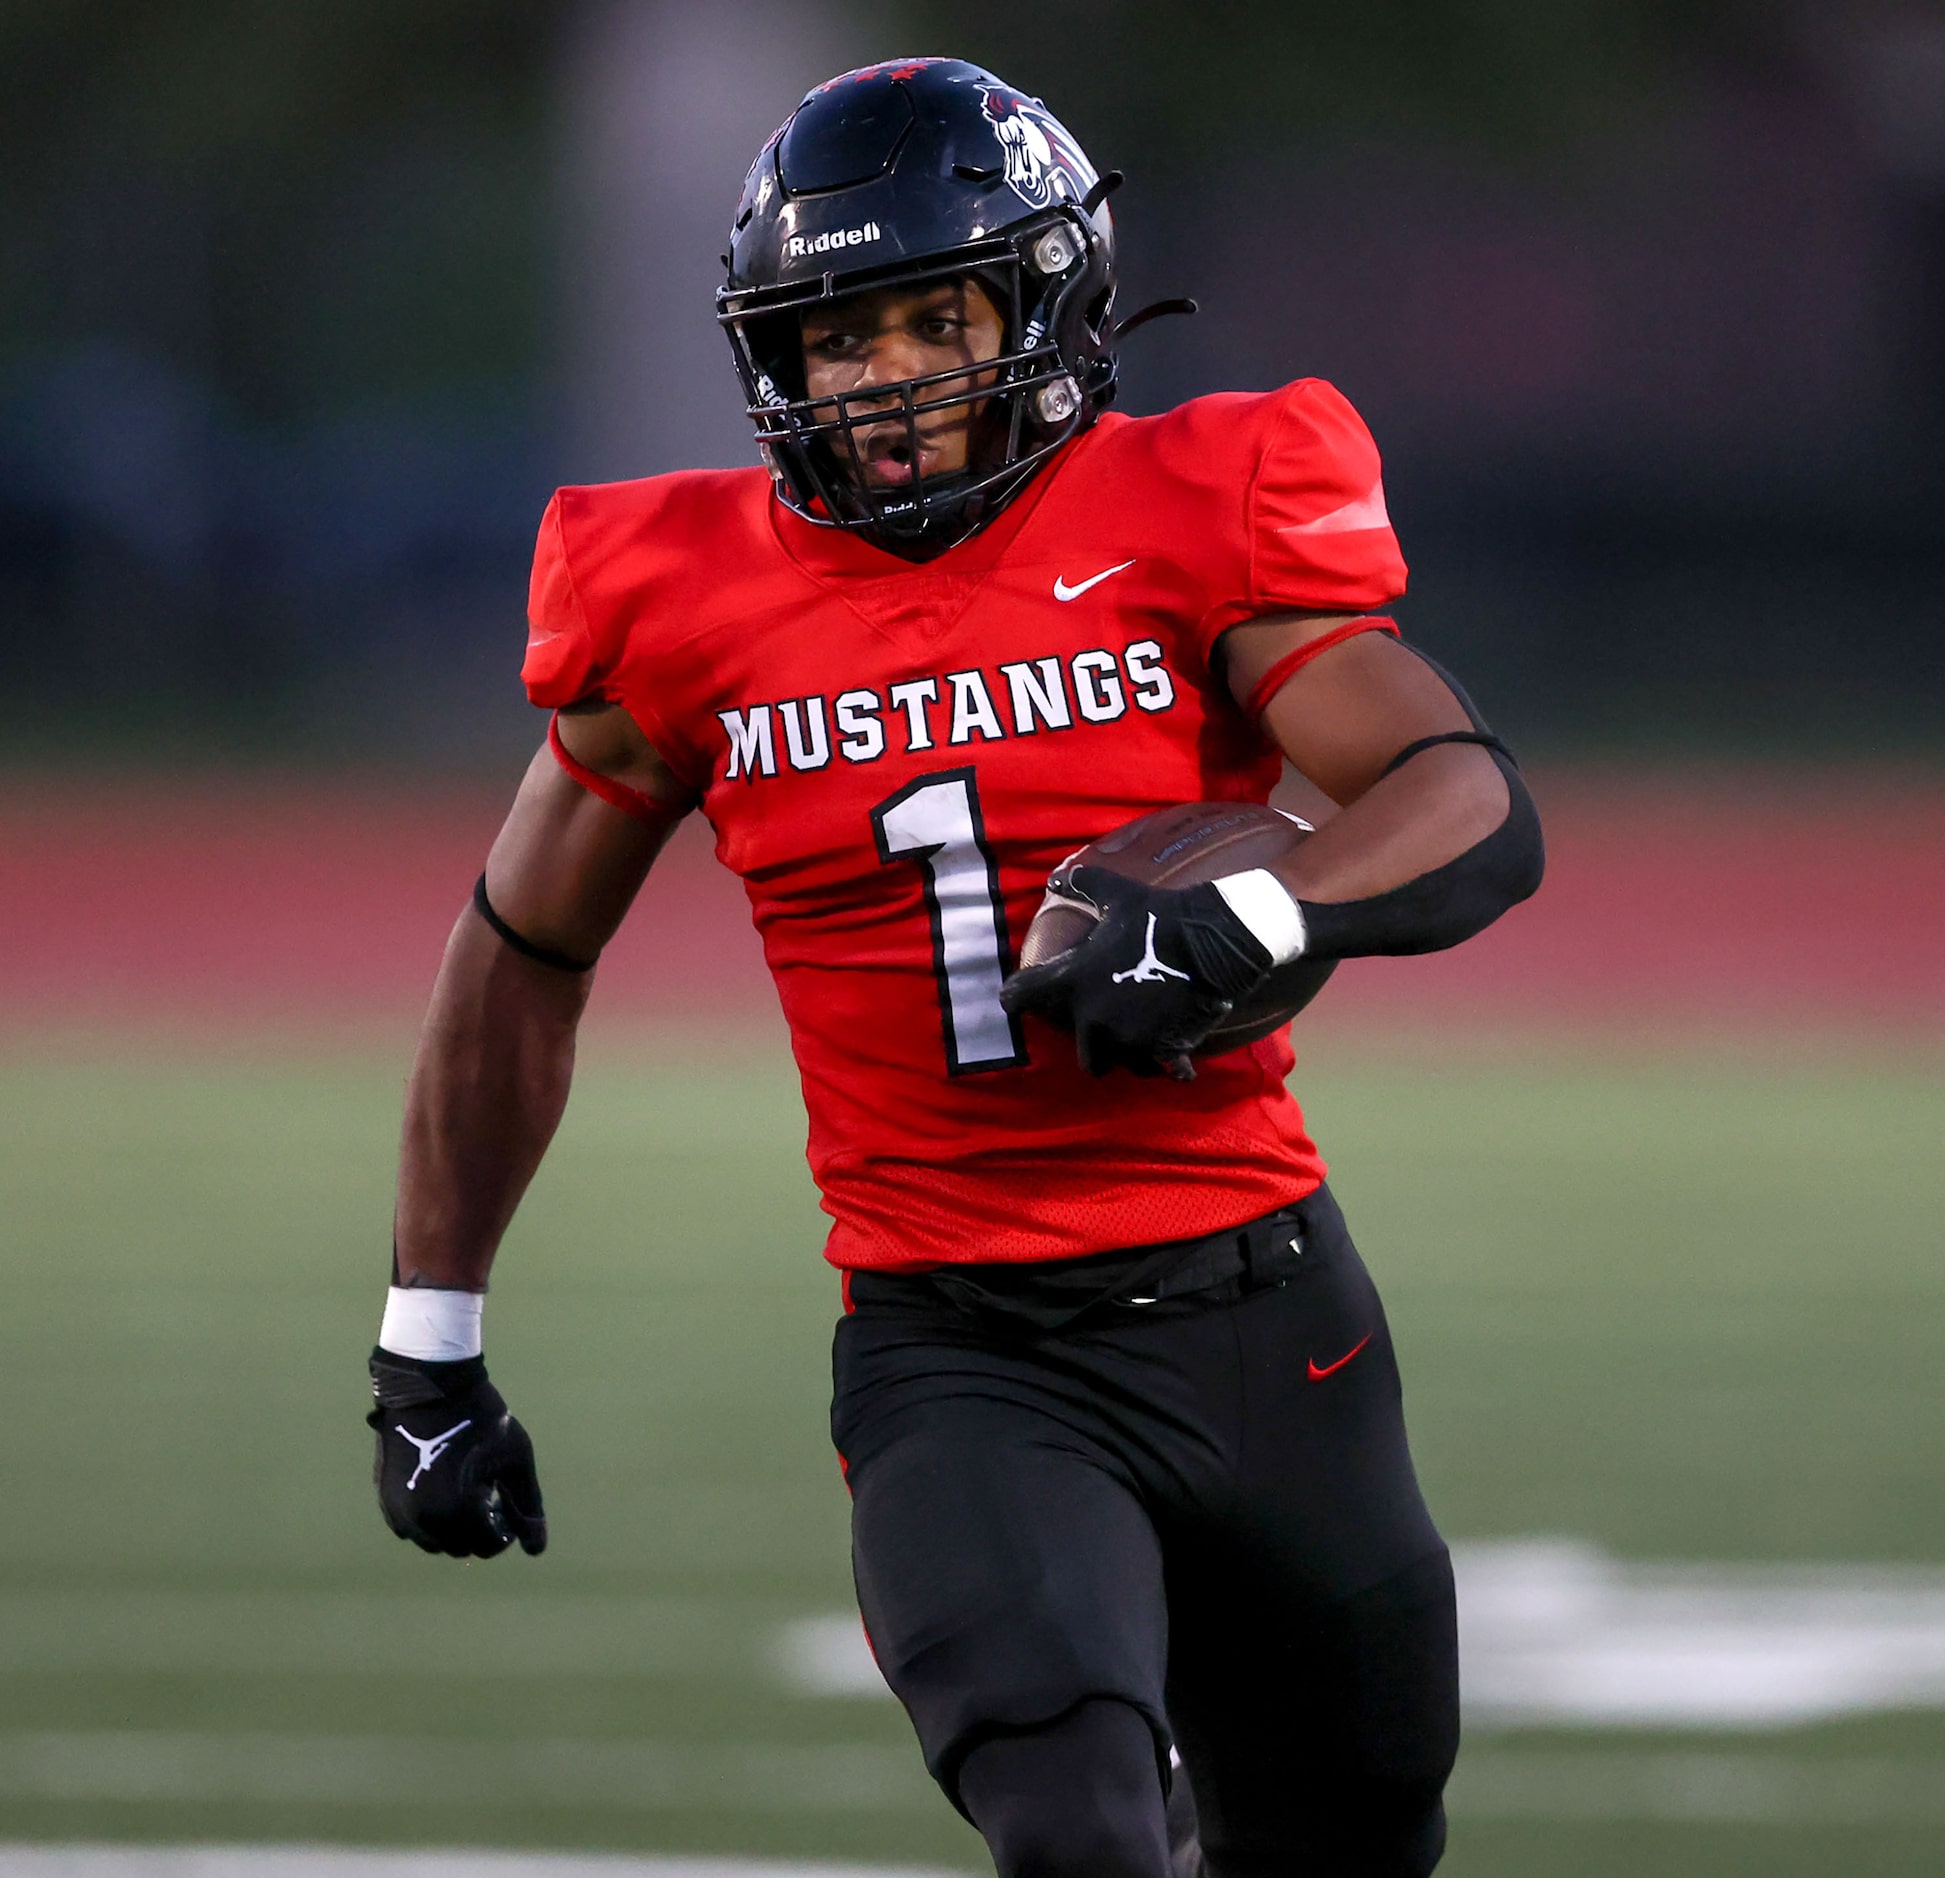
(1177, 848)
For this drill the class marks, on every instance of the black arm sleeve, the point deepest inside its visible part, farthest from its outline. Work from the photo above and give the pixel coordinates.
(1452, 902)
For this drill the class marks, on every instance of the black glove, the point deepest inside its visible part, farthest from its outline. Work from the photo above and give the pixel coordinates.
(1160, 970)
(454, 1471)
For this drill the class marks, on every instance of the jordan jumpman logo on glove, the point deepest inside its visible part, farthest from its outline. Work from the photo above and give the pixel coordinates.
(1193, 958)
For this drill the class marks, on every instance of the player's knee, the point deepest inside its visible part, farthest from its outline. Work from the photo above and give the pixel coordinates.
(1371, 1831)
(1081, 1837)
(1396, 1829)
(1411, 1840)
(1078, 1798)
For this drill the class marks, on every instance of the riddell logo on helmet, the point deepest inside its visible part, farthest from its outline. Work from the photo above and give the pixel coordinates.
(800, 245)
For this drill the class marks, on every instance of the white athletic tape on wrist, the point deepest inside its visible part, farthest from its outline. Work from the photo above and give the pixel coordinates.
(1269, 909)
(434, 1326)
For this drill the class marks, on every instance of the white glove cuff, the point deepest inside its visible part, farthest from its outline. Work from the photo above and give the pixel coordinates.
(1269, 909)
(434, 1326)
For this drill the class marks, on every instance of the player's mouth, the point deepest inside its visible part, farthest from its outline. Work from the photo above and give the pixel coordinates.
(889, 461)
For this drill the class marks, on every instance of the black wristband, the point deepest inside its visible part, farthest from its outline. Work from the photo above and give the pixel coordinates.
(541, 955)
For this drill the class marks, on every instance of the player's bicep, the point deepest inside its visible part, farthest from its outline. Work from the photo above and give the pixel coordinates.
(1344, 715)
(1246, 655)
(568, 861)
(606, 744)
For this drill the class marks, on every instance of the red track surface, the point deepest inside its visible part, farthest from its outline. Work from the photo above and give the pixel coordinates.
(1738, 901)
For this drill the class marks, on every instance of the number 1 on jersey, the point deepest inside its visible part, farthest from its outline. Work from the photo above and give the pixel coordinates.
(936, 822)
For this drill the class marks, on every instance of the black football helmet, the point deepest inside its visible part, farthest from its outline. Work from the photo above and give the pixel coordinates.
(898, 174)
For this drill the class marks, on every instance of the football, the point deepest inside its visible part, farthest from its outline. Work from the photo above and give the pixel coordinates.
(1178, 847)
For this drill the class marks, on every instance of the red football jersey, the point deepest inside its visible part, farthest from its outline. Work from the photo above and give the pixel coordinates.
(894, 756)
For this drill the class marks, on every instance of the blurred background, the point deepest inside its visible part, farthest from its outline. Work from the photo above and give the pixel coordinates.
(304, 311)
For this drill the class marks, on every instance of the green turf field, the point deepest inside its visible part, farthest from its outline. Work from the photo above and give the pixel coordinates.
(1687, 1307)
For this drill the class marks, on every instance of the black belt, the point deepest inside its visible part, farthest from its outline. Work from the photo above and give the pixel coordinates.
(1265, 1252)
(1050, 1294)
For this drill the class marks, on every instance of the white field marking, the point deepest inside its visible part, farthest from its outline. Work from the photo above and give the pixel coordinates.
(827, 1656)
(219, 1633)
(368, 1770)
(296, 1861)
(1557, 1634)
(1697, 1787)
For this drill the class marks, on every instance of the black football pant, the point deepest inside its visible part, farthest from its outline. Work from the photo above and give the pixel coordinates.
(1189, 1521)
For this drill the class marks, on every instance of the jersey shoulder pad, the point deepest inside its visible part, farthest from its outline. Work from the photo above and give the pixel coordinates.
(615, 562)
(1295, 497)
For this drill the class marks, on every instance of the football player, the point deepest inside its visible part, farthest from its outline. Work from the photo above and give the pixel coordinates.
(1115, 1397)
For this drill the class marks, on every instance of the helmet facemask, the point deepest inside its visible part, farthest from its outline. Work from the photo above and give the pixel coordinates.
(1045, 282)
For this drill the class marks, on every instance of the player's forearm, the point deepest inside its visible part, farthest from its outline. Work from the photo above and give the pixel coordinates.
(488, 1086)
(1425, 858)
(1423, 815)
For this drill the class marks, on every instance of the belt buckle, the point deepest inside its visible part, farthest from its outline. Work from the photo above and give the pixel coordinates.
(1273, 1255)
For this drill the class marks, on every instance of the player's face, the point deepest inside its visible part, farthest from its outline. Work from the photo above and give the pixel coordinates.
(890, 333)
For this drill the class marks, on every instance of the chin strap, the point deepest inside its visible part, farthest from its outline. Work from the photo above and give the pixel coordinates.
(1105, 186)
(1154, 310)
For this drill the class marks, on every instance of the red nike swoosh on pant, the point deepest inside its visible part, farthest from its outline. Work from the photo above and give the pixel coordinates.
(1331, 1369)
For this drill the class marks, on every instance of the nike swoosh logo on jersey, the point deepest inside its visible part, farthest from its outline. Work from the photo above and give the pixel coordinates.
(1317, 1374)
(1064, 592)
